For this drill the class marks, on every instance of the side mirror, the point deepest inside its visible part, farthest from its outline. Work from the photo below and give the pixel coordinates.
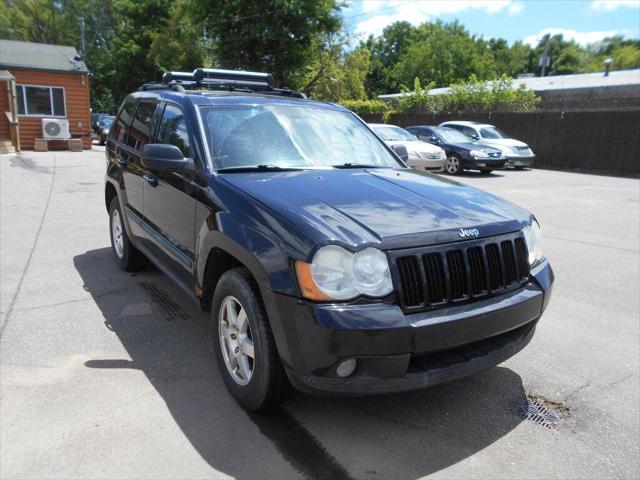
(475, 137)
(401, 151)
(433, 140)
(163, 157)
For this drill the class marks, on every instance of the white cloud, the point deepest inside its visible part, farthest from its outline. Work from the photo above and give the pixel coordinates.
(515, 8)
(388, 11)
(582, 38)
(610, 5)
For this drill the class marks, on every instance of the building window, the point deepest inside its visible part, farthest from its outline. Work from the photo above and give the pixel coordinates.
(40, 101)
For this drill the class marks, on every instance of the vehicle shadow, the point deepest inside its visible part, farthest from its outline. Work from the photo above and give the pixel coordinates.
(475, 174)
(398, 436)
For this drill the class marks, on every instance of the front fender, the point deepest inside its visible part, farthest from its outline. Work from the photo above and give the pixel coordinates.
(248, 233)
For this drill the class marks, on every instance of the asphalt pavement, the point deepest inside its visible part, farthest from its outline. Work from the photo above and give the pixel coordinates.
(106, 374)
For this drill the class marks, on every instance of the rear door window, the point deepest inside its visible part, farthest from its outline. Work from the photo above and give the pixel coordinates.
(142, 126)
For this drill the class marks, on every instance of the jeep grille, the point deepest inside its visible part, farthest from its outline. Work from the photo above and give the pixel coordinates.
(461, 272)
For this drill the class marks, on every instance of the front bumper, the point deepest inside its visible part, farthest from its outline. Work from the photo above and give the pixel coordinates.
(487, 163)
(427, 163)
(398, 352)
(520, 161)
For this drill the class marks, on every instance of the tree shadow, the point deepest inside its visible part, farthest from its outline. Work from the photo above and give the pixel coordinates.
(401, 436)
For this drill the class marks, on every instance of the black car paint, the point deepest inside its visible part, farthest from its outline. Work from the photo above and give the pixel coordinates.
(463, 150)
(184, 221)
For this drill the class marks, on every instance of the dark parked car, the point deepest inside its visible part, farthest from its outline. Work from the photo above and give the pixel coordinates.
(104, 125)
(519, 154)
(95, 118)
(462, 152)
(326, 262)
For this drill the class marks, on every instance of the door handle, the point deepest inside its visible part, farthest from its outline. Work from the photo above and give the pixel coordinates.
(121, 161)
(150, 179)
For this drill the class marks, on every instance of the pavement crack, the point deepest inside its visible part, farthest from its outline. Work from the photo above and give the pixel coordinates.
(593, 244)
(33, 248)
(626, 377)
(572, 393)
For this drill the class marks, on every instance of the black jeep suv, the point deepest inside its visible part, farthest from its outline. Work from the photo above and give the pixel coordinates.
(326, 262)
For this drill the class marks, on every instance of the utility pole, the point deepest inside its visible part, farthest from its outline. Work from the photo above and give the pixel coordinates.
(82, 45)
(545, 59)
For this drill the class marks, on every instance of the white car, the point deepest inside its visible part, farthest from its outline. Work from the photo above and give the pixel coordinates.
(421, 154)
(519, 154)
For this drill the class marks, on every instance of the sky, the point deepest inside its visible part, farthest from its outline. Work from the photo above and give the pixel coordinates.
(584, 21)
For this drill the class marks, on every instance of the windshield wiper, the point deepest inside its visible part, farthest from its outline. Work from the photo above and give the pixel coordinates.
(257, 168)
(358, 165)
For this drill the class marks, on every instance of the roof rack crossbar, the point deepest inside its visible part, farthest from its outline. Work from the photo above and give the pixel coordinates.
(176, 87)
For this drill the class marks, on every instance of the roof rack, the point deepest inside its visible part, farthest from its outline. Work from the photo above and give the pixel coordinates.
(176, 87)
(232, 80)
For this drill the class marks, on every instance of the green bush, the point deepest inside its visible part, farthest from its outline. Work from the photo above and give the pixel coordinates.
(466, 97)
(473, 96)
(366, 107)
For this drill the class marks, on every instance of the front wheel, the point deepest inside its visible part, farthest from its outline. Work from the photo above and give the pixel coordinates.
(129, 258)
(454, 165)
(245, 349)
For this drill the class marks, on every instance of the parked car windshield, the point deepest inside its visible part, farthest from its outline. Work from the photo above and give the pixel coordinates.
(105, 122)
(449, 135)
(393, 134)
(290, 136)
(492, 132)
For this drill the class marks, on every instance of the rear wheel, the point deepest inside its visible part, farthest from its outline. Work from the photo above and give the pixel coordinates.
(245, 349)
(129, 258)
(454, 165)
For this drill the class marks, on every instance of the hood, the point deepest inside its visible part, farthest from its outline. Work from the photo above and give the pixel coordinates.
(416, 146)
(397, 208)
(508, 142)
(476, 146)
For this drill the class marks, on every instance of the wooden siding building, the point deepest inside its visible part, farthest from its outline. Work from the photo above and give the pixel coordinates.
(40, 81)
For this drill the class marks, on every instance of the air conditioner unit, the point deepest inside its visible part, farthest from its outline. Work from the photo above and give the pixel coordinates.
(55, 129)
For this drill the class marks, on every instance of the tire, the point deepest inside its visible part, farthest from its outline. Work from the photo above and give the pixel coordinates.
(262, 382)
(486, 170)
(128, 257)
(453, 165)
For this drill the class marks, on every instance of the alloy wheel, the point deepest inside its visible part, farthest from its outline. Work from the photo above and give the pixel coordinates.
(236, 340)
(117, 233)
(453, 165)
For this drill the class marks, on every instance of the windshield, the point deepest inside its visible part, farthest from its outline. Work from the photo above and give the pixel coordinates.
(393, 134)
(492, 132)
(449, 135)
(105, 122)
(289, 136)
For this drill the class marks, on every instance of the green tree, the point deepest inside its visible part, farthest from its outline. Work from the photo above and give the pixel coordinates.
(510, 60)
(386, 51)
(276, 36)
(343, 79)
(444, 53)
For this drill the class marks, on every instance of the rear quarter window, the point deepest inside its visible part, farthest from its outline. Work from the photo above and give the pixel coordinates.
(121, 130)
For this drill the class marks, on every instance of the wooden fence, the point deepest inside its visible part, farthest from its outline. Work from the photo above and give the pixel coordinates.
(591, 141)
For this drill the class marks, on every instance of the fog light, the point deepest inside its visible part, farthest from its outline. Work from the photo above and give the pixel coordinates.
(346, 367)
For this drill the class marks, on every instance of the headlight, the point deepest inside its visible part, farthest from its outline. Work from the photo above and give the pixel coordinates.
(338, 274)
(478, 153)
(533, 237)
(105, 131)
